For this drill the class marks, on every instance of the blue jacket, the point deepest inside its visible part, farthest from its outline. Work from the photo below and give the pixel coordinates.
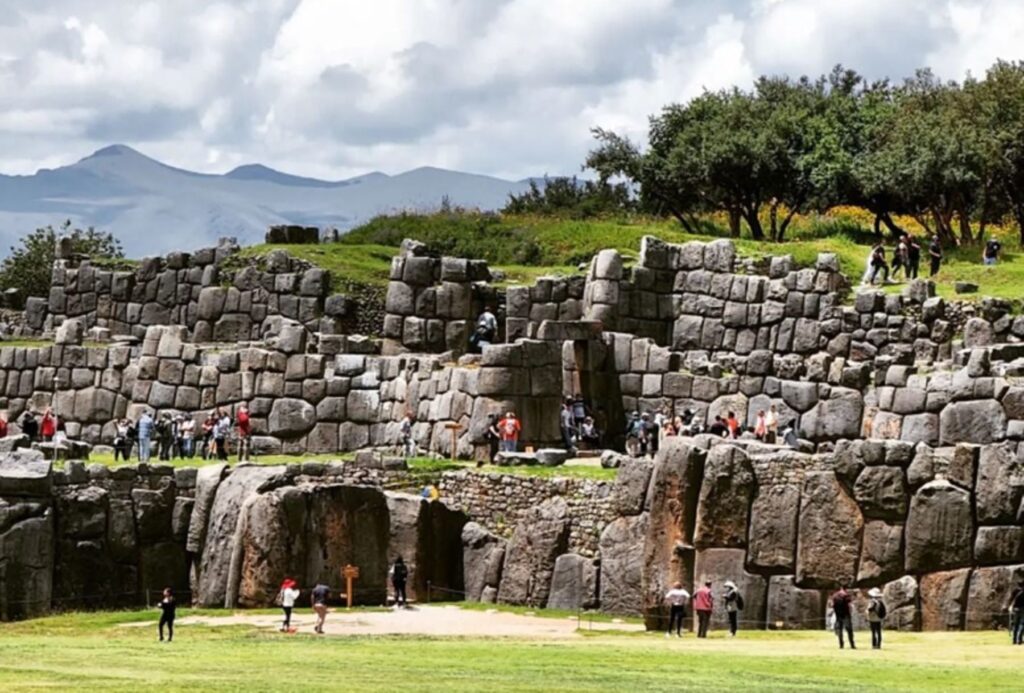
(145, 427)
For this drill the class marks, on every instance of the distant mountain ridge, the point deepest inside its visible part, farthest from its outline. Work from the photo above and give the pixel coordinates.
(155, 208)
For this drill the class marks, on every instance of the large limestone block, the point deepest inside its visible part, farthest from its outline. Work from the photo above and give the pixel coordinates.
(987, 594)
(25, 473)
(539, 539)
(27, 563)
(208, 478)
(407, 515)
(881, 492)
(291, 418)
(944, 599)
(719, 565)
(828, 543)
(668, 547)
(881, 556)
(622, 565)
(995, 545)
(773, 526)
(837, 417)
(153, 511)
(217, 548)
(940, 528)
(483, 555)
(1000, 485)
(790, 607)
(631, 483)
(723, 508)
(574, 583)
(978, 421)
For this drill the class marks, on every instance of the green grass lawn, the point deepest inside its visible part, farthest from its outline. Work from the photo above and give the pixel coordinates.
(97, 652)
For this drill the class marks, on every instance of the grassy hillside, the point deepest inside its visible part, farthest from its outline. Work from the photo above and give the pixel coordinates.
(525, 247)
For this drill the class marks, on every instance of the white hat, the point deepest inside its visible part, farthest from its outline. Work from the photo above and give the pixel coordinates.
(874, 592)
(730, 583)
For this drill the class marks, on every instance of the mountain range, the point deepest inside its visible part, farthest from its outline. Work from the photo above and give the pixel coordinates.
(154, 208)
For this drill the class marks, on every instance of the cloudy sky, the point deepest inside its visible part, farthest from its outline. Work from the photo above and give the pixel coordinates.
(334, 88)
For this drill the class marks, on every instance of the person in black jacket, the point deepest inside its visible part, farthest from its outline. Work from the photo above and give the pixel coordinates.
(399, 574)
(167, 608)
(841, 602)
(1016, 607)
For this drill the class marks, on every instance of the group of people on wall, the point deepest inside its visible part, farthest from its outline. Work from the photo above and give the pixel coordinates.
(179, 436)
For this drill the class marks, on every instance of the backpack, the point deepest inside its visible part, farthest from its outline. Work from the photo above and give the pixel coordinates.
(881, 609)
(400, 572)
(739, 601)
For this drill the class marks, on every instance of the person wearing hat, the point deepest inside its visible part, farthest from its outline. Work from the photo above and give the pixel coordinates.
(677, 599)
(876, 614)
(289, 593)
(703, 604)
(733, 605)
(841, 601)
(1015, 605)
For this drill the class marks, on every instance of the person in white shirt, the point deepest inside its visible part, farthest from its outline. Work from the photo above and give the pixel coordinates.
(289, 593)
(771, 422)
(677, 599)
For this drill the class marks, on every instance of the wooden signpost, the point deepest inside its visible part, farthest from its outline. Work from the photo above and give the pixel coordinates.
(350, 573)
(454, 428)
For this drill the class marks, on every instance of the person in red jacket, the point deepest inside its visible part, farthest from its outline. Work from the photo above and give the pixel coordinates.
(244, 433)
(508, 429)
(3, 424)
(703, 603)
(48, 427)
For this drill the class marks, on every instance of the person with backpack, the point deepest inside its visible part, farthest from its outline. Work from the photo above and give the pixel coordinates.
(486, 330)
(703, 604)
(876, 615)
(286, 598)
(841, 608)
(167, 606)
(1015, 605)
(990, 254)
(677, 598)
(733, 606)
(878, 264)
(399, 575)
(319, 598)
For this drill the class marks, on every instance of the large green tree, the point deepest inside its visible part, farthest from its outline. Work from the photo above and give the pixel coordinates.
(29, 264)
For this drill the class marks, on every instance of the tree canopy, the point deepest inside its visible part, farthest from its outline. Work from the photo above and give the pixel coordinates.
(949, 154)
(29, 265)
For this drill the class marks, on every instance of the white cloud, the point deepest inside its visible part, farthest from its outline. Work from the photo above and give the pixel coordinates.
(508, 87)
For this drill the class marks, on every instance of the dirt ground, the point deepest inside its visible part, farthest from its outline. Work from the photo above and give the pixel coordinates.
(421, 620)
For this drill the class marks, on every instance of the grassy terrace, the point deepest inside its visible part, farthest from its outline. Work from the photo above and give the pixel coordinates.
(98, 651)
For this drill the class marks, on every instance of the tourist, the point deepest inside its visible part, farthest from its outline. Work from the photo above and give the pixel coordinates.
(319, 597)
(48, 426)
(913, 255)
(703, 603)
(652, 431)
(121, 448)
(935, 255)
(3, 424)
(771, 423)
(868, 266)
(733, 424)
(509, 429)
(286, 597)
(589, 435)
(209, 423)
(486, 330)
(634, 433)
(493, 436)
(668, 430)
(165, 436)
(29, 426)
(878, 264)
(61, 436)
(567, 426)
(144, 428)
(243, 425)
(186, 437)
(1015, 605)
(760, 425)
(399, 574)
(168, 606)
(733, 606)
(876, 614)
(899, 259)
(841, 601)
(408, 442)
(579, 409)
(990, 253)
(718, 428)
(789, 435)
(221, 430)
(677, 599)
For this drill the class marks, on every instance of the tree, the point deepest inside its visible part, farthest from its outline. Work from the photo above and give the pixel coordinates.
(29, 265)
(571, 197)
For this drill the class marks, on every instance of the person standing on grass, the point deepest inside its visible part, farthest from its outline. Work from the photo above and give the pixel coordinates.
(168, 606)
(408, 442)
(733, 424)
(121, 440)
(509, 428)
(145, 432)
(935, 255)
(243, 424)
(187, 437)
(841, 607)
(771, 424)
(29, 426)
(990, 254)
(703, 604)
(876, 615)
(48, 426)
(286, 597)
(221, 430)
(1015, 605)
(733, 606)
(878, 264)
(677, 599)
(899, 260)
(567, 425)
(913, 255)
(493, 438)
(399, 574)
(320, 595)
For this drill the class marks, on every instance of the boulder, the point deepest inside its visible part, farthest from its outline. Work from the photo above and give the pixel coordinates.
(208, 478)
(944, 599)
(613, 460)
(830, 527)
(976, 421)
(540, 537)
(995, 545)
(790, 607)
(291, 418)
(630, 491)
(27, 568)
(71, 331)
(719, 565)
(881, 492)
(773, 527)
(940, 528)
(153, 511)
(987, 593)
(573, 584)
(881, 555)
(25, 473)
(723, 508)
(622, 564)
(1000, 485)
(834, 418)
(483, 554)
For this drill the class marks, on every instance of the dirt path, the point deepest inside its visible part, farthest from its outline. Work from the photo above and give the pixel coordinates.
(422, 620)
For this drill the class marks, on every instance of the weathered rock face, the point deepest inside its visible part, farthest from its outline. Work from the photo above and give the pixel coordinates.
(837, 417)
(483, 555)
(623, 567)
(26, 532)
(208, 478)
(574, 583)
(530, 557)
(882, 552)
(631, 484)
(792, 607)
(944, 599)
(940, 528)
(25, 473)
(881, 492)
(773, 527)
(719, 565)
(723, 508)
(668, 553)
(978, 421)
(831, 524)
(995, 545)
(1000, 485)
(987, 594)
